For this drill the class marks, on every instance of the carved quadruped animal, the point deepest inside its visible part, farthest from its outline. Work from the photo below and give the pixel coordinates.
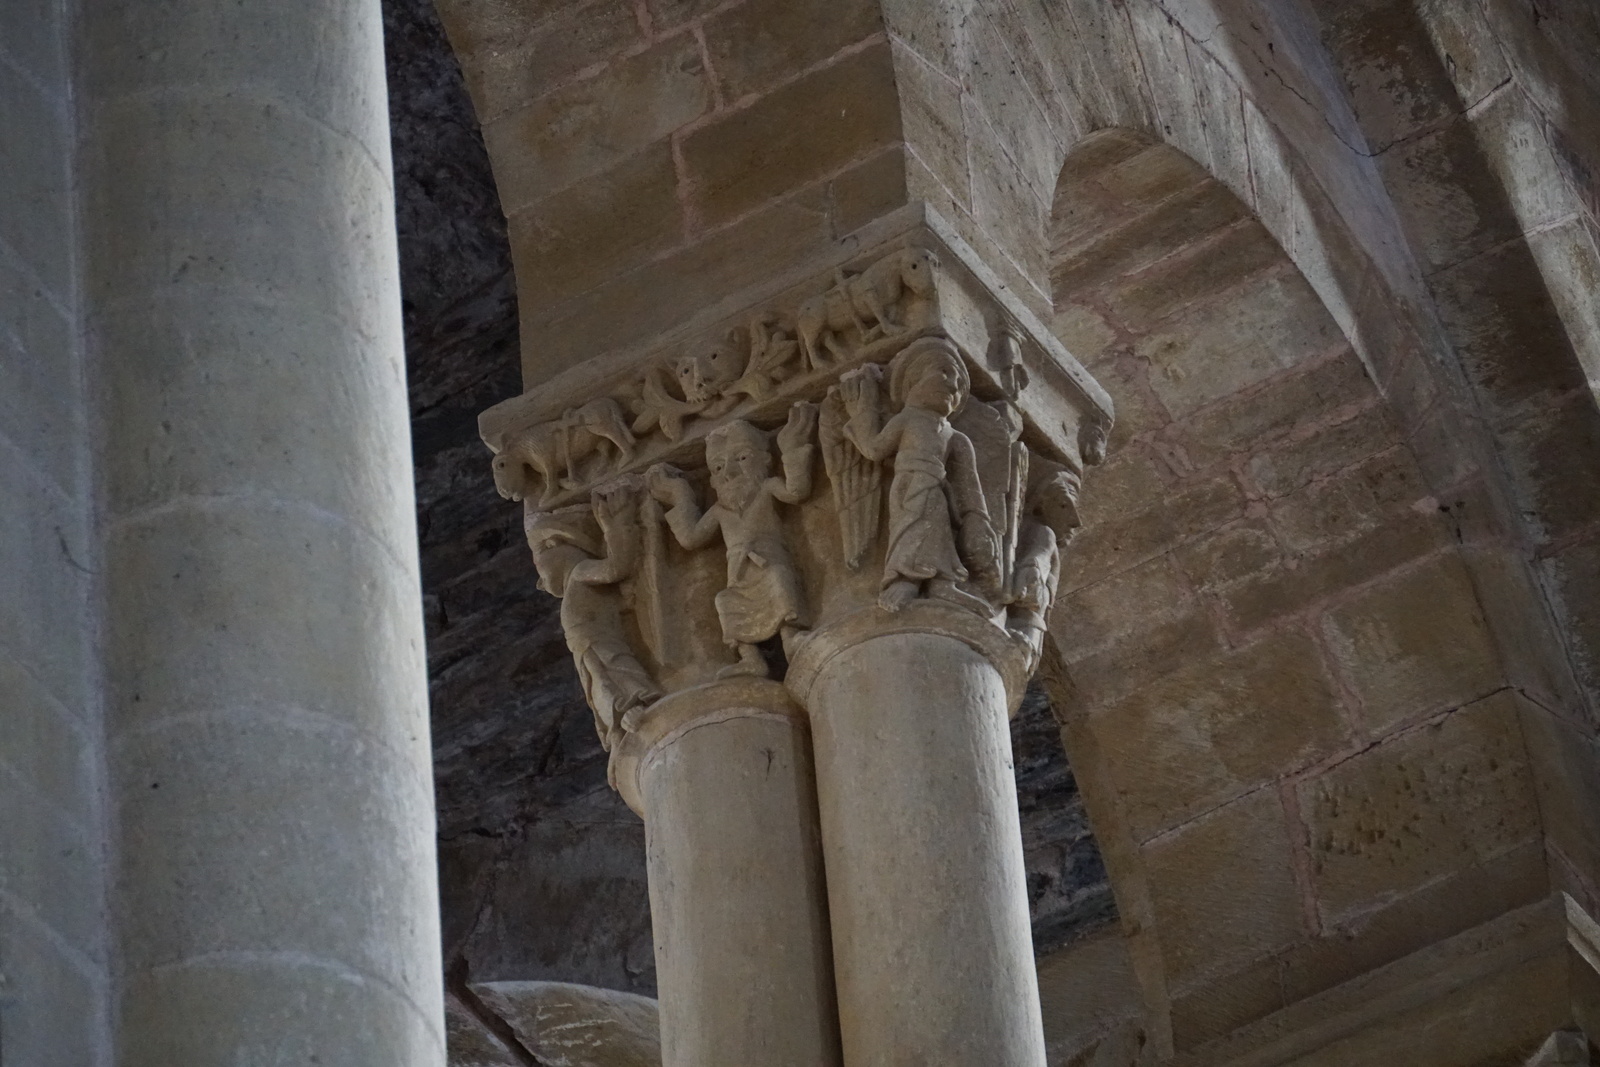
(555, 450)
(864, 305)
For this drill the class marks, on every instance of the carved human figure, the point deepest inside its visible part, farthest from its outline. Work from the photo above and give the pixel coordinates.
(763, 596)
(585, 575)
(1034, 578)
(935, 499)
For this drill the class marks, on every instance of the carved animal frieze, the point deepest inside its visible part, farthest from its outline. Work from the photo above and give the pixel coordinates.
(773, 355)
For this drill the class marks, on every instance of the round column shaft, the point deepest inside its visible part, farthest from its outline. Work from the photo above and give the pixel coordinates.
(927, 892)
(722, 774)
(274, 892)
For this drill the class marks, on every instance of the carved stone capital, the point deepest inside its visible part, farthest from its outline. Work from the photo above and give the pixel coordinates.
(889, 443)
(674, 715)
(1009, 655)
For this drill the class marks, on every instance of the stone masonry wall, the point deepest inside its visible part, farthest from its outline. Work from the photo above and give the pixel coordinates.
(1275, 669)
(53, 972)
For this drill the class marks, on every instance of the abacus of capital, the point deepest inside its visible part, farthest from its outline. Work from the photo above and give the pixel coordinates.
(806, 553)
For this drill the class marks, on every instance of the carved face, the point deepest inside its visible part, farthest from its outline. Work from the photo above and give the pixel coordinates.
(554, 556)
(917, 270)
(739, 464)
(937, 386)
(510, 477)
(702, 376)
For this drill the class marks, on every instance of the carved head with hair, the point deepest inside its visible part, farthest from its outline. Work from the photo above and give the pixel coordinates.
(560, 540)
(930, 375)
(740, 458)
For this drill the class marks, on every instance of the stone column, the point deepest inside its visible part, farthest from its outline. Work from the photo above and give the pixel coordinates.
(274, 889)
(927, 893)
(907, 576)
(722, 775)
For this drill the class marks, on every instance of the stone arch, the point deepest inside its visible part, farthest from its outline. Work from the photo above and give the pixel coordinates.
(1269, 636)
(739, 164)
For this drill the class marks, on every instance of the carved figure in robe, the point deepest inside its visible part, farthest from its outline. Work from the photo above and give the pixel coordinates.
(938, 519)
(1051, 519)
(560, 451)
(762, 598)
(586, 576)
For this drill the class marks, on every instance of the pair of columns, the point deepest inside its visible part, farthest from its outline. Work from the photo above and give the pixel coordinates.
(805, 678)
(889, 768)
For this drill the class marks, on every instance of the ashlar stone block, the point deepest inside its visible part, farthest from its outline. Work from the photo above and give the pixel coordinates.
(585, 128)
(1223, 889)
(1271, 326)
(759, 43)
(1415, 644)
(794, 135)
(1419, 807)
(1193, 739)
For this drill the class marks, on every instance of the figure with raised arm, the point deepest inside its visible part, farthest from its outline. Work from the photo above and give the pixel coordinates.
(585, 575)
(938, 521)
(763, 597)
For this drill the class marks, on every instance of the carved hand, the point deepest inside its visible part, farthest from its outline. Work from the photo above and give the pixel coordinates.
(666, 483)
(980, 548)
(801, 425)
(612, 504)
(858, 390)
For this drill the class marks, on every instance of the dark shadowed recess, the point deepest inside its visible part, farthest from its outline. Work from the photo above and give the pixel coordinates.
(541, 864)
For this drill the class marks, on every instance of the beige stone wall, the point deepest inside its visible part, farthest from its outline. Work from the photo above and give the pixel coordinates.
(1291, 720)
(53, 976)
(1479, 121)
(653, 157)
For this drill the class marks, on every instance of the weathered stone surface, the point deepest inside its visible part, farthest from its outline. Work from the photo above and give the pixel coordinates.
(756, 45)
(1223, 888)
(1420, 806)
(589, 126)
(526, 52)
(1219, 729)
(794, 135)
(577, 238)
(1415, 644)
(567, 1025)
(1271, 326)
(470, 1043)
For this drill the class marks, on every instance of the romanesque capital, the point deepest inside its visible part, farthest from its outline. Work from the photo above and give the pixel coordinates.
(893, 442)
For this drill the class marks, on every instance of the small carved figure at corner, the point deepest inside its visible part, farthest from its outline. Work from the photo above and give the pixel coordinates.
(564, 451)
(935, 479)
(865, 304)
(585, 575)
(1052, 517)
(763, 595)
(1092, 442)
(1034, 578)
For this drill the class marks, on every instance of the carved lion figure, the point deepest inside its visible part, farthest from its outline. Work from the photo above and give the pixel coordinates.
(555, 451)
(864, 302)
